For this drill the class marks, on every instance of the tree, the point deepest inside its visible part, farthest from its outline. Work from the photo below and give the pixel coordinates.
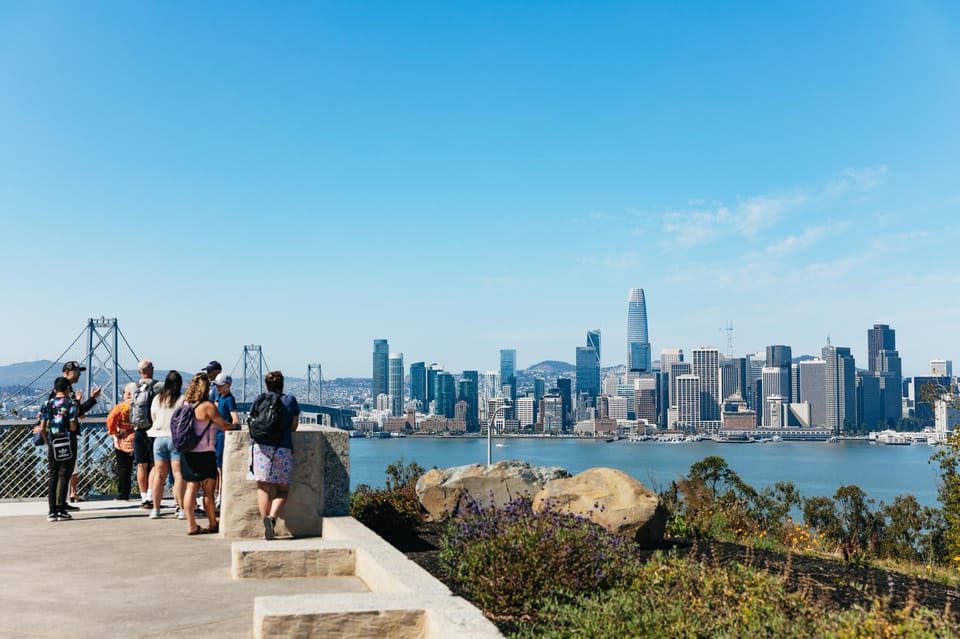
(948, 491)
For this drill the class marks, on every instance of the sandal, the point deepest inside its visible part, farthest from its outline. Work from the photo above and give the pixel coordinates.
(199, 530)
(214, 529)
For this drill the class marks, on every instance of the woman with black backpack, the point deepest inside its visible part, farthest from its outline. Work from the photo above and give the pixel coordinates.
(274, 416)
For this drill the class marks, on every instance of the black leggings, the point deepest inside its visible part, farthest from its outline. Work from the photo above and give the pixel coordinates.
(124, 473)
(58, 480)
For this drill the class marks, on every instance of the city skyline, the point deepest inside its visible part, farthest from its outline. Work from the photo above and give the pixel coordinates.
(468, 178)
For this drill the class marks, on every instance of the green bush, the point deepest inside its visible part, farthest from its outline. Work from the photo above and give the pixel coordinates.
(672, 597)
(510, 558)
(393, 512)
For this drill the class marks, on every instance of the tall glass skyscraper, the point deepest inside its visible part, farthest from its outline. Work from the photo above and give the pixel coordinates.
(638, 341)
(418, 385)
(395, 384)
(508, 370)
(381, 355)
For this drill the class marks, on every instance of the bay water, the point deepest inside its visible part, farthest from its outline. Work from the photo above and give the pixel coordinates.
(816, 468)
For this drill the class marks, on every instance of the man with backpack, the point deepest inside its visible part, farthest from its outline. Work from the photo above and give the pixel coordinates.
(71, 373)
(142, 421)
(274, 416)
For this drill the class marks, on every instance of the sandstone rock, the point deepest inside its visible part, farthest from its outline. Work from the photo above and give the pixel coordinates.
(611, 498)
(444, 492)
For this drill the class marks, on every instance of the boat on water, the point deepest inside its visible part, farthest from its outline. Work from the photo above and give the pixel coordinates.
(500, 445)
(733, 439)
(891, 438)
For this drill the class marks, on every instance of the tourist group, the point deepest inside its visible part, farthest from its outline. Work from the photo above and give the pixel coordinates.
(169, 433)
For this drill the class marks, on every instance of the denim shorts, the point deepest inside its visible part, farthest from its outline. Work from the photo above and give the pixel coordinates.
(163, 449)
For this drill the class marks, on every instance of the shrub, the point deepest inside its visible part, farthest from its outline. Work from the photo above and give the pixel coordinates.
(511, 558)
(394, 512)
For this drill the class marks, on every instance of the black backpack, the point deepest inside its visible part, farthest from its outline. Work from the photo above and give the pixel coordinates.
(268, 420)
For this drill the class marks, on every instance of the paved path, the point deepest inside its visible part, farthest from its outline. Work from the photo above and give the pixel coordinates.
(113, 572)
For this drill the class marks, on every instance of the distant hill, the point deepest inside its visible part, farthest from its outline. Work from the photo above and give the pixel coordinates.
(551, 367)
(23, 373)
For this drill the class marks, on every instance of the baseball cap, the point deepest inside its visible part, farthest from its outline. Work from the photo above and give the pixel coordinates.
(222, 379)
(213, 366)
(73, 366)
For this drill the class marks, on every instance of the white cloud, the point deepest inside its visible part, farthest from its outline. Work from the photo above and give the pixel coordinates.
(808, 237)
(856, 181)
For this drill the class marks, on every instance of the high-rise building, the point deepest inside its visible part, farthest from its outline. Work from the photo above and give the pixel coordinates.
(395, 383)
(418, 385)
(446, 395)
(688, 405)
(675, 370)
(638, 340)
(551, 413)
(879, 338)
(432, 371)
(780, 356)
(776, 383)
(565, 391)
(869, 402)
(706, 366)
(645, 398)
(729, 384)
(525, 411)
(813, 389)
(539, 388)
(669, 356)
(593, 339)
(508, 370)
(841, 389)
(473, 400)
(381, 356)
(941, 368)
(588, 371)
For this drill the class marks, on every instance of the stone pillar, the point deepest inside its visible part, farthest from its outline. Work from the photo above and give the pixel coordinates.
(319, 487)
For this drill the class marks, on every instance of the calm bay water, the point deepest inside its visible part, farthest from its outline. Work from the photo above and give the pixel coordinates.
(817, 468)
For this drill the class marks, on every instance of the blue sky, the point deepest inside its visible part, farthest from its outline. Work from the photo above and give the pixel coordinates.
(464, 177)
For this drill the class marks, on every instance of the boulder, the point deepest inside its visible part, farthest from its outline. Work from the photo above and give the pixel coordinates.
(611, 498)
(444, 492)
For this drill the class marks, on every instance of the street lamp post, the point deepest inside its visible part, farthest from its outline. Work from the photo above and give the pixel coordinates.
(493, 418)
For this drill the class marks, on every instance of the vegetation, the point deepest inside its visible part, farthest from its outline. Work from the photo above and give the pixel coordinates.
(393, 512)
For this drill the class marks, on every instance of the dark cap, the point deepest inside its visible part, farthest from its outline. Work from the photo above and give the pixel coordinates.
(73, 366)
(213, 366)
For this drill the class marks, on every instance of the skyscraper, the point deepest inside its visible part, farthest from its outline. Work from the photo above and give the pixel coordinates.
(508, 370)
(706, 366)
(395, 384)
(588, 371)
(593, 339)
(472, 398)
(446, 395)
(780, 356)
(813, 389)
(565, 390)
(418, 385)
(638, 340)
(879, 338)
(381, 355)
(841, 390)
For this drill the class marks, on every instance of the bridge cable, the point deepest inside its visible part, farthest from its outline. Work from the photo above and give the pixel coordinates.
(52, 364)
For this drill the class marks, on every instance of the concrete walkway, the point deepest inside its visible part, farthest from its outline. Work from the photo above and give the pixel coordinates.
(113, 572)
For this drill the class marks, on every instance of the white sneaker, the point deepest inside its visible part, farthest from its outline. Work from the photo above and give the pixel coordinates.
(180, 514)
(155, 514)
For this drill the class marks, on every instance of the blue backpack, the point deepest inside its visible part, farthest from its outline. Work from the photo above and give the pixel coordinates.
(185, 438)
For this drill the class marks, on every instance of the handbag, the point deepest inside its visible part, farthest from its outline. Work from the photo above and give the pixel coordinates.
(37, 435)
(62, 451)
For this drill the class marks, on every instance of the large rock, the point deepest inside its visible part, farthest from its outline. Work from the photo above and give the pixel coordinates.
(444, 492)
(611, 498)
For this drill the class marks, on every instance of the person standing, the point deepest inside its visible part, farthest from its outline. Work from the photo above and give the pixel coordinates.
(71, 372)
(165, 456)
(227, 407)
(118, 425)
(58, 419)
(199, 465)
(213, 369)
(271, 464)
(147, 388)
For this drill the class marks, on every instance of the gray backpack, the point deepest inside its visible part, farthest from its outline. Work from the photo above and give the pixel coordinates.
(140, 405)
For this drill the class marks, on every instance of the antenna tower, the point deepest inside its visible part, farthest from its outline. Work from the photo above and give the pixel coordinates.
(314, 384)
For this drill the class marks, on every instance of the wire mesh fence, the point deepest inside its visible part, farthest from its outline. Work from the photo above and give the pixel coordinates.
(23, 466)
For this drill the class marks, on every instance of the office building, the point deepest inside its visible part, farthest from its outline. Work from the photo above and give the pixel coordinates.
(418, 386)
(551, 417)
(445, 395)
(813, 389)
(381, 357)
(508, 371)
(539, 388)
(525, 411)
(776, 383)
(472, 399)
(781, 356)
(638, 340)
(669, 356)
(706, 366)
(565, 391)
(588, 372)
(688, 401)
(879, 338)
(869, 402)
(941, 368)
(841, 388)
(676, 370)
(395, 383)
(593, 339)
(432, 371)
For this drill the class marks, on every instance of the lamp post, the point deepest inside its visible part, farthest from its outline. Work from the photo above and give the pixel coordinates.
(505, 405)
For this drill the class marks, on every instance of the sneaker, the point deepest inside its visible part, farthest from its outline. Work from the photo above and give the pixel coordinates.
(146, 505)
(53, 517)
(155, 514)
(268, 531)
(63, 515)
(65, 507)
(181, 514)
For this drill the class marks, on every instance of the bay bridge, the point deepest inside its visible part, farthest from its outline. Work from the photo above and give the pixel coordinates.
(111, 363)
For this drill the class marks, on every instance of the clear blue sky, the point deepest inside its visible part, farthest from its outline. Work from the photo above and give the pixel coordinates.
(464, 177)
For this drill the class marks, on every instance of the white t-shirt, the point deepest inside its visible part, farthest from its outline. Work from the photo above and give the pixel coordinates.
(161, 417)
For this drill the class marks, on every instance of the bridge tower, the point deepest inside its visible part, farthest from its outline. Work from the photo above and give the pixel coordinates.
(314, 384)
(102, 353)
(252, 371)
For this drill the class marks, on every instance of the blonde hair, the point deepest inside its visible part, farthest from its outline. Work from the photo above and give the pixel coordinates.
(129, 389)
(198, 390)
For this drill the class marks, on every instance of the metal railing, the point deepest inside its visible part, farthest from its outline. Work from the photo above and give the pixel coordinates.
(23, 466)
